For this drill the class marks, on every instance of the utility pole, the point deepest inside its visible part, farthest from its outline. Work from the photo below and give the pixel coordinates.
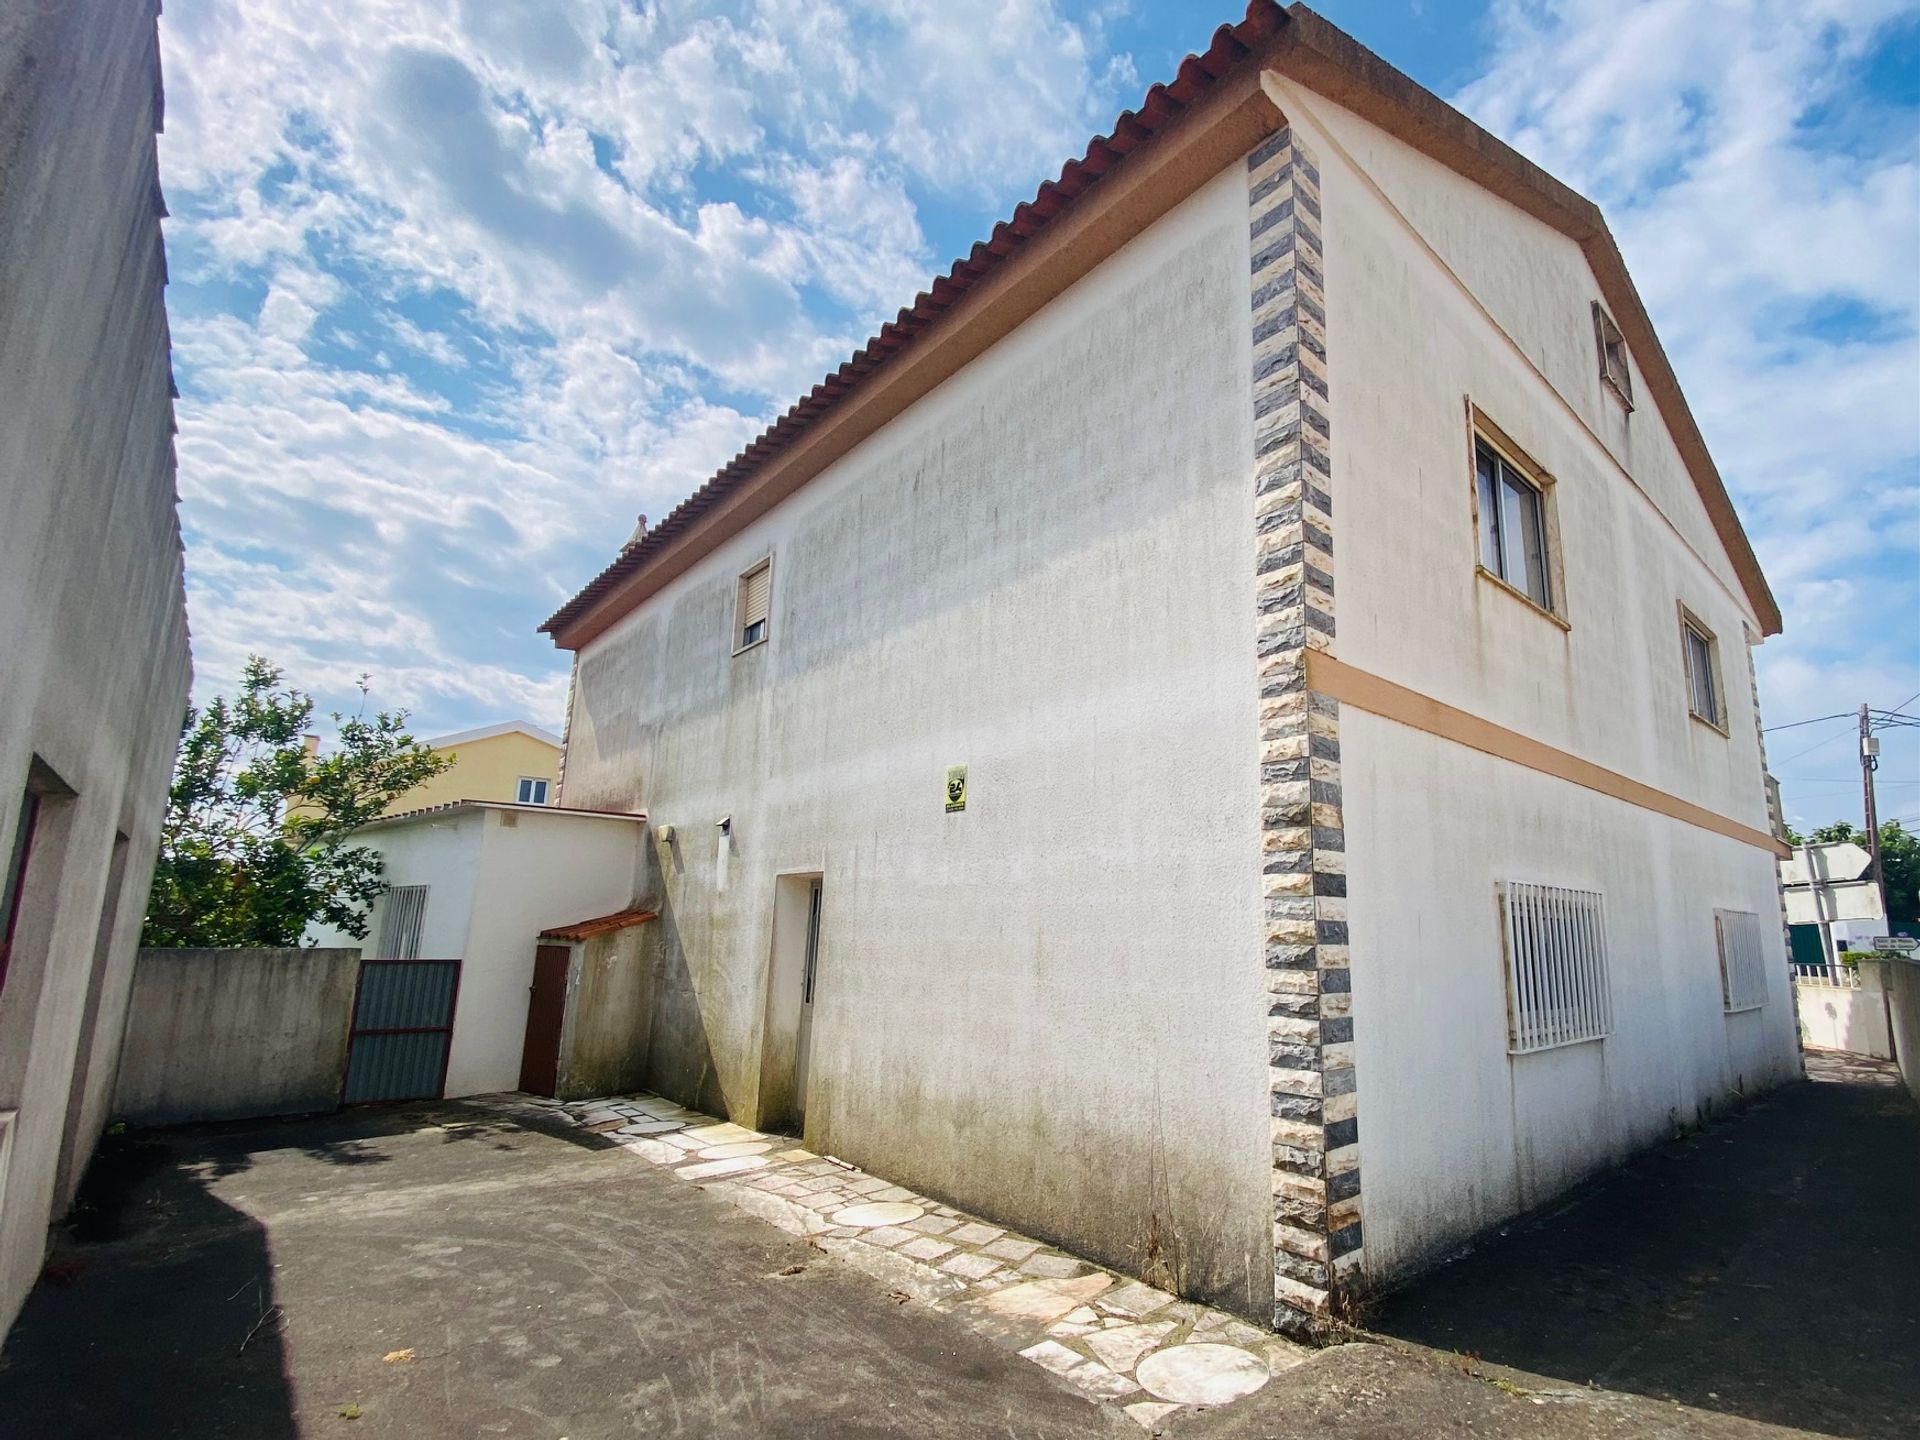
(1870, 762)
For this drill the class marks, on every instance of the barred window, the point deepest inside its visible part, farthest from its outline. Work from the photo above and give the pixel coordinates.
(1743, 959)
(1556, 958)
(401, 921)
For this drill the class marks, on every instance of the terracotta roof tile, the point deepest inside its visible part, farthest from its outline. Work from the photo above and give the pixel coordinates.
(1163, 103)
(600, 925)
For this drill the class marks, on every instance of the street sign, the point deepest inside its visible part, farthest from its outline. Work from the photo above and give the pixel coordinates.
(1904, 943)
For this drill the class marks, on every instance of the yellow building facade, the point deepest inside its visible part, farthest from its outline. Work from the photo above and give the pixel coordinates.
(512, 761)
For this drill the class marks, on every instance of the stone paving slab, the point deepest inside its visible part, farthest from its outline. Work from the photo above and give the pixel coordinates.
(1115, 1339)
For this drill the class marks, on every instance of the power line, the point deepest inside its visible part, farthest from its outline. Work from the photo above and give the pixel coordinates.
(1818, 743)
(1835, 780)
(1796, 724)
(1851, 714)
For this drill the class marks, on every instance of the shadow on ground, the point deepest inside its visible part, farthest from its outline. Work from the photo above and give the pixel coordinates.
(119, 1332)
(1768, 1267)
(438, 1271)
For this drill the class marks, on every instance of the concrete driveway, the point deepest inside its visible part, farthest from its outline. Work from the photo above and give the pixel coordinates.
(1768, 1268)
(448, 1271)
(380, 1274)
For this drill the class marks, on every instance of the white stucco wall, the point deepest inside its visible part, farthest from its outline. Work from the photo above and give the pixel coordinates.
(1436, 292)
(495, 879)
(1852, 1018)
(1049, 1007)
(93, 643)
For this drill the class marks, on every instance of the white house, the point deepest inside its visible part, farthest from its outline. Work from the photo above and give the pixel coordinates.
(94, 668)
(1224, 736)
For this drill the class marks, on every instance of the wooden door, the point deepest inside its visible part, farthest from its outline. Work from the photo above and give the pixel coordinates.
(546, 1010)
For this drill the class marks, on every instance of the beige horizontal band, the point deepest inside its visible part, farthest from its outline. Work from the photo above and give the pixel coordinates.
(1422, 712)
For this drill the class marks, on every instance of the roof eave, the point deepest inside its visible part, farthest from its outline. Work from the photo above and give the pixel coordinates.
(1171, 148)
(1181, 138)
(1328, 61)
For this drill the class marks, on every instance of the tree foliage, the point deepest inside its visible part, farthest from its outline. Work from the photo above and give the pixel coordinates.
(1899, 860)
(255, 844)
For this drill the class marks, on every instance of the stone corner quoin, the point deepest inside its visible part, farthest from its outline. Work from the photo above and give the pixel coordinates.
(1313, 1103)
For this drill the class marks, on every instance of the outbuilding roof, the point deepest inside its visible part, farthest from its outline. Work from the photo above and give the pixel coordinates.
(600, 925)
(1213, 111)
(448, 807)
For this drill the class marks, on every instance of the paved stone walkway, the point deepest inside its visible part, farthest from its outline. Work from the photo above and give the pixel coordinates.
(1117, 1339)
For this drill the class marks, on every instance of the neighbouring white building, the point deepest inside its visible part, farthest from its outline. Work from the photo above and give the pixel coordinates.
(477, 882)
(1225, 736)
(94, 668)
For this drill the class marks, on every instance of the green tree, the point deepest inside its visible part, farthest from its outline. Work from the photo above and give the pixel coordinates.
(1899, 860)
(255, 844)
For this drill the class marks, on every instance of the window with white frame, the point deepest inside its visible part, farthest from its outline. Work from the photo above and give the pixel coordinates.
(1743, 959)
(751, 602)
(1558, 991)
(533, 790)
(1613, 356)
(1514, 531)
(1701, 653)
(403, 917)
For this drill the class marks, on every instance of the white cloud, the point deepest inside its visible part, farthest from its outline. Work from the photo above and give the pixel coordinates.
(623, 237)
(1767, 208)
(462, 285)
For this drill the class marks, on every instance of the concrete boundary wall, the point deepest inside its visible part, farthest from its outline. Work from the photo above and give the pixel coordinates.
(233, 1034)
(1902, 981)
(1848, 1018)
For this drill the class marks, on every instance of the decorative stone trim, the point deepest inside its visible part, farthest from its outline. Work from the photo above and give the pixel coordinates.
(1312, 1098)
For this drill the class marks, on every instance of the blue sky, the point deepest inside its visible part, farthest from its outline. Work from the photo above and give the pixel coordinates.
(459, 287)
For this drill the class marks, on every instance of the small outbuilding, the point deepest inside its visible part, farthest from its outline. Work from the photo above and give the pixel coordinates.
(590, 1009)
(450, 956)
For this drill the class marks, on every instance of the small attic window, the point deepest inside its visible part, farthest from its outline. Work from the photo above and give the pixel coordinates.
(750, 606)
(1613, 355)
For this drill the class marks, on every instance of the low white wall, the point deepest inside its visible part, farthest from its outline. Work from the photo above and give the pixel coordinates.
(231, 1034)
(1841, 1017)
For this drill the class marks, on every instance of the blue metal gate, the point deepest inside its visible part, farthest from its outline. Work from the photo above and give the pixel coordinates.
(402, 1030)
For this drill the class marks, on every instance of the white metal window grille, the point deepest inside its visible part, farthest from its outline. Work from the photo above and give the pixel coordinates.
(1557, 986)
(533, 790)
(750, 615)
(401, 920)
(1743, 959)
